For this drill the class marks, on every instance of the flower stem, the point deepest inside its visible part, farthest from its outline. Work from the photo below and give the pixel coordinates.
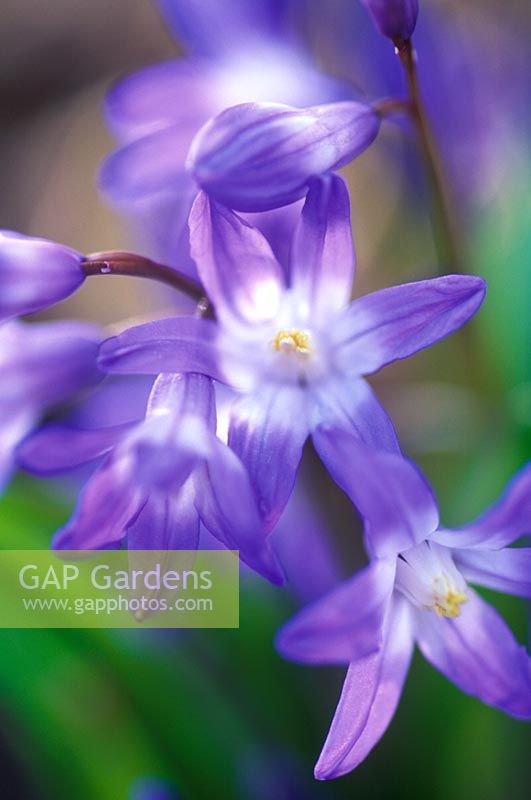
(116, 262)
(390, 106)
(445, 229)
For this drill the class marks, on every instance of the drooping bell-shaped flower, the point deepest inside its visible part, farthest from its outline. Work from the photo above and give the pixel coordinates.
(35, 273)
(158, 480)
(238, 52)
(420, 595)
(394, 18)
(259, 156)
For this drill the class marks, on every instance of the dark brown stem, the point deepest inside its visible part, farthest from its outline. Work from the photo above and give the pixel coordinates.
(447, 237)
(115, 262)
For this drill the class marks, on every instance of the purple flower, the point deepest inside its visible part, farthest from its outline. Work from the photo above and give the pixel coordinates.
(41, 365)
(159, 478)
(157, 111)
(291, 345)
(259, 156)
(420, 594)
(35, 273)
(394, 18)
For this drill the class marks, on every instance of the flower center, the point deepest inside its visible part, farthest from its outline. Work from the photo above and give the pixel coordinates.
(292, 341)
(429, 579)
(448, 599)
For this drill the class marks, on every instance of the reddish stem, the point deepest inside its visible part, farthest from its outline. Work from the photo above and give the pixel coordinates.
(115, 262)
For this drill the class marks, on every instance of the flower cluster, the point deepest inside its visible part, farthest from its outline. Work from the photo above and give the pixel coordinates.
(276, 353)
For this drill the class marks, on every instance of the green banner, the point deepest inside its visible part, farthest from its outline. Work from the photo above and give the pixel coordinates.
(119, 589)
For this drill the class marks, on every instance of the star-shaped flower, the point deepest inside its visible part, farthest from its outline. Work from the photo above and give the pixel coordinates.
(420, 593)
(291, 346)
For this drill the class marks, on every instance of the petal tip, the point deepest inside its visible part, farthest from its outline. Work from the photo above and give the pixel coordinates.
(324, 773)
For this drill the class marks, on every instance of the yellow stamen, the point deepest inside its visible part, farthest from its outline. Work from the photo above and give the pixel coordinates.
(451, 605)
(294, 341)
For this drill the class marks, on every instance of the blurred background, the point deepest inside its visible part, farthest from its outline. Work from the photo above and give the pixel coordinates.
(109, 715)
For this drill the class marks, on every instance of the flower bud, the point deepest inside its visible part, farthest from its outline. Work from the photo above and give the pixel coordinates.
(35, 273)
(259, 156)
(394, 18)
